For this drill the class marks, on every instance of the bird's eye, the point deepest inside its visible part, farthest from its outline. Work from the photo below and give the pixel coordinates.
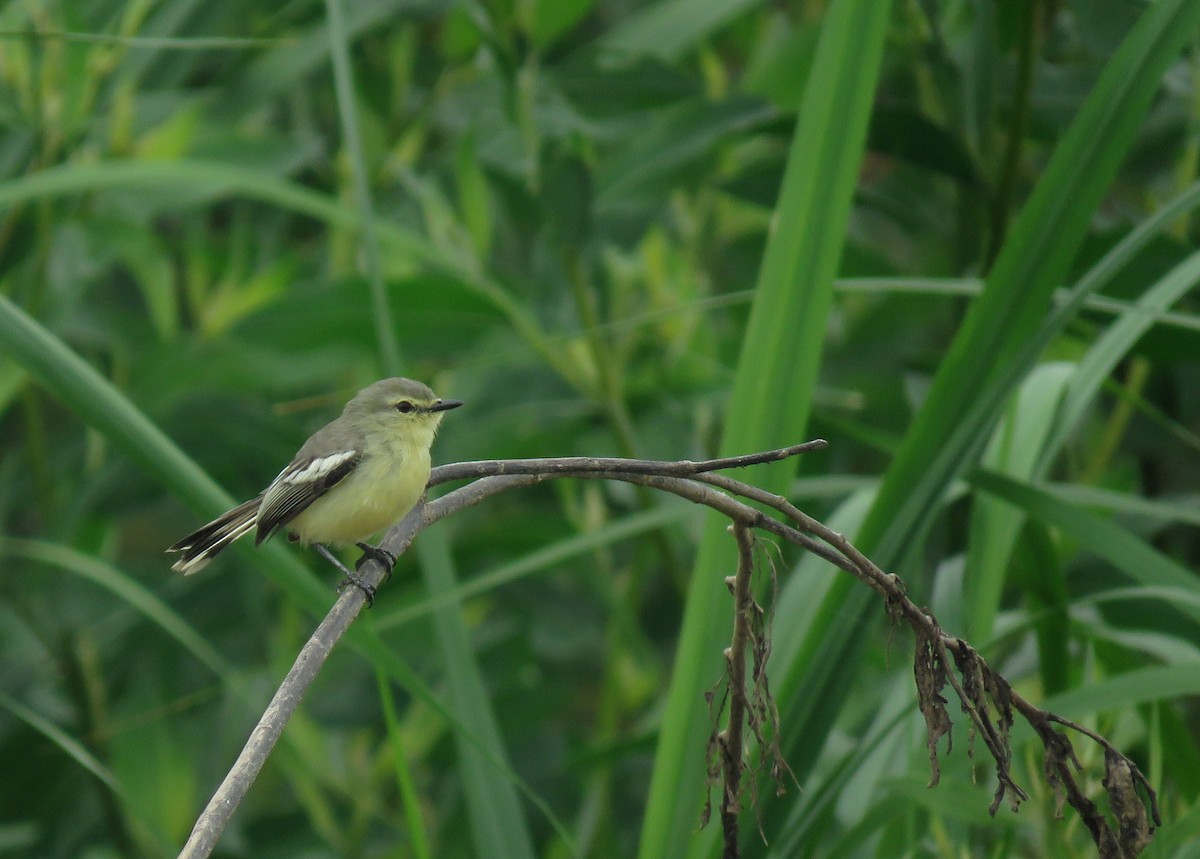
(404, 407)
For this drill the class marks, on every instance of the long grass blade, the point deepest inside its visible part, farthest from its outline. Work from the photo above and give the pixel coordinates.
(497, 823)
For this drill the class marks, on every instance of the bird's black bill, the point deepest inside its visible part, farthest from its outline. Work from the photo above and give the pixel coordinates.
(445, 405)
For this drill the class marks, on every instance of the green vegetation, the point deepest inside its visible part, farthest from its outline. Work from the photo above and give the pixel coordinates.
(953, 237)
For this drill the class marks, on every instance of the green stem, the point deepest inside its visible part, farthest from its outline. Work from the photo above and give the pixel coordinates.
(385, 329)
(1002, 198)
(1189, 157)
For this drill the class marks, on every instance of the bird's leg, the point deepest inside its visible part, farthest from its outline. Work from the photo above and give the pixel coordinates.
(351, 577)
(376, 553)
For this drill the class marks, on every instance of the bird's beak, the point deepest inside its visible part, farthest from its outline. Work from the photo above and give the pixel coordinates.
(445, 405)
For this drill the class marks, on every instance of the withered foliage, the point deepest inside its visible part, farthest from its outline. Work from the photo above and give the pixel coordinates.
(750, 704)
(940, 661)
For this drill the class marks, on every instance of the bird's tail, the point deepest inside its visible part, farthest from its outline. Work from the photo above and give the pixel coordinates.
(200, 547)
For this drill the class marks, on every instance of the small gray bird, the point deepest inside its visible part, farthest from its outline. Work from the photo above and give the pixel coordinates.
(353, 478)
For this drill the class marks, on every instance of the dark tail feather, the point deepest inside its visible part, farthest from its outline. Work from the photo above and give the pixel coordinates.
(200, 547)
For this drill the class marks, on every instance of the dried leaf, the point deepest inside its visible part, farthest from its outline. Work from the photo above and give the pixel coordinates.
(1134, 831)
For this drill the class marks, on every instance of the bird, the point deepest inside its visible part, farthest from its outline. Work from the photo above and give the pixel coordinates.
(354, 477)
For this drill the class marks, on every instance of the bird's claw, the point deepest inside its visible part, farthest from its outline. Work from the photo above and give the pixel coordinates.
(376, 553)
(360, 583)
(352, 577)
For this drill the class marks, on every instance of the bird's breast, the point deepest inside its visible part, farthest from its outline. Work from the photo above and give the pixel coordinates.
(377, 494)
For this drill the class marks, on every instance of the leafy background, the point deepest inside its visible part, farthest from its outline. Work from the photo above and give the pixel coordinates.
(954, 237)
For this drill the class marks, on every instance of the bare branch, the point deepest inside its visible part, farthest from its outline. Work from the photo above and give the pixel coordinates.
(986, 697)
(575, 466)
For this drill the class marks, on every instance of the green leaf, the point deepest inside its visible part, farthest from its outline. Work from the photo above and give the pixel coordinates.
(1156, 683)
(1140, 561)
(1039, 573)
(115, 581)
(66, 743)
(670, 27)
(1115, 344)
(995, 525)
(418, 838)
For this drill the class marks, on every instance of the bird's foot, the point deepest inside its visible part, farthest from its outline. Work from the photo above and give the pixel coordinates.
(352, 578)
(376, 553)
(362, 584)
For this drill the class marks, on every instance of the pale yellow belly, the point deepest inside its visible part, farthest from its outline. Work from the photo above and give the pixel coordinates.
(376, 495)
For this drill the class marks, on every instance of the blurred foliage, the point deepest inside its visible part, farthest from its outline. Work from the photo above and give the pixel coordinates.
(571, 202)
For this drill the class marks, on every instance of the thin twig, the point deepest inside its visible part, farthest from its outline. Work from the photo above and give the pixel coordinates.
(730, 740)
(575, 465)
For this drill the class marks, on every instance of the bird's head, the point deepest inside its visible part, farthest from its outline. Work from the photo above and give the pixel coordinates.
(401, 406)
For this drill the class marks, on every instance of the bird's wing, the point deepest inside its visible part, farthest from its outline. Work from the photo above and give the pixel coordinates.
(304, 480)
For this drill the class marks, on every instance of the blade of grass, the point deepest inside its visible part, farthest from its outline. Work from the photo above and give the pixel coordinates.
(209, 179)
(1100, 535)
(809, 814)
(1114, 345)
(300, 766)
(1038, 570)
(995, 525)
(1182, 510)
(73, 381)
(1168, 595)
(60, 738)
(418, 839)
(113, 580)
(497, 822)
(773, 389)
(1155, 683)
(806, 673)
(970, 286)
(174, 43)
(381, 312)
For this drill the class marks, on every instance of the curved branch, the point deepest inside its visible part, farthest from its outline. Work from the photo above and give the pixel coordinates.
(492, 477)
(985, 696)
